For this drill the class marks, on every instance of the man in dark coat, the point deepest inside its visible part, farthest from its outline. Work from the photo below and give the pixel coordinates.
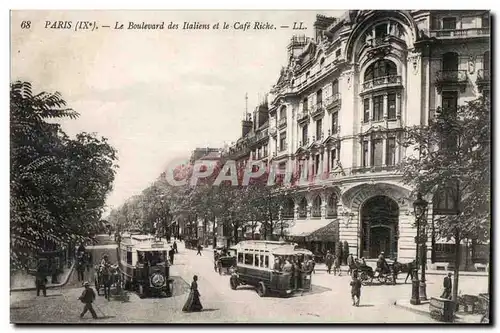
(175, 247)
(41, 278)
(447, 284)
(87, 297)
(171, 253)
(199, 250)
(355, 289)
(329, 262)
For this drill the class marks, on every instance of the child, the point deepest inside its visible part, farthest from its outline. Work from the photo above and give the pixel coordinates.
(355, 289)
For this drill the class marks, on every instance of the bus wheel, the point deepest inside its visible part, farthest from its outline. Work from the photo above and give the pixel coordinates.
(261, 289)
(233, 283)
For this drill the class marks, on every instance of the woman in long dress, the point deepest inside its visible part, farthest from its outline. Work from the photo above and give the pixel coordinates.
(193, 303)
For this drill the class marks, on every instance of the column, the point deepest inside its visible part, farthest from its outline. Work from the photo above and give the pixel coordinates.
(328, 154)
(384, 150)
(385, 107)
(370, 159)
(322, 168)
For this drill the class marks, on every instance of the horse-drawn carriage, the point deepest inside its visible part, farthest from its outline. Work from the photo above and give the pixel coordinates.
(107, 278)
(226, 259)
(388, 275)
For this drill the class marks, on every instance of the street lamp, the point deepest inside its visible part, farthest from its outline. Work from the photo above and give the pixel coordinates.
(419, 286)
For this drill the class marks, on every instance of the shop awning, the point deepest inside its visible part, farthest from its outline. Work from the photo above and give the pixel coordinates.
(308, 228)
(328, 233)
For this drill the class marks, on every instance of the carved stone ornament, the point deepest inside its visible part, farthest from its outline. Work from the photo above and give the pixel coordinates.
(414, 61)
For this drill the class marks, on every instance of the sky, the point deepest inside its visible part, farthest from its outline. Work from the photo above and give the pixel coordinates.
(155, 94)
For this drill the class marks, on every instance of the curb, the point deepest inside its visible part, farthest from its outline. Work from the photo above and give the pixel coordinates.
(418, 311)
(52, 286)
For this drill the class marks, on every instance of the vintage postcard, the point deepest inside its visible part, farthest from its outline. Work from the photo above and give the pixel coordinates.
(250, 166)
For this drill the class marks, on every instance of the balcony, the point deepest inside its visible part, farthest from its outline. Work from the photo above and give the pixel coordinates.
(332, 101)
(303, 117)
(373, 169)
(282, 123)
(451, 78)
(483, 79)
(382, 82)
(318, 110)
(261, 135)
(460, 33)
(273, 131)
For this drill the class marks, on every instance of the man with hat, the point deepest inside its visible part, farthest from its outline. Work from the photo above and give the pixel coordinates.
(87, 297)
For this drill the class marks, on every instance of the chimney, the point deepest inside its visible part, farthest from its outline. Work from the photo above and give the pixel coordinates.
(322, 23)
(297, 44)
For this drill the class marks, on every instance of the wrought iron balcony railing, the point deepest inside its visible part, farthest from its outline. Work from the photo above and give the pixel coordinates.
(460, 33)
(382, 81)
(332, 100)
(302, 116)
(451, 76)
(317, 110)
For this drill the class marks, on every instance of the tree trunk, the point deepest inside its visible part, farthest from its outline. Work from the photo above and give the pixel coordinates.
(205, 223)
(457, 266)
(214, 245)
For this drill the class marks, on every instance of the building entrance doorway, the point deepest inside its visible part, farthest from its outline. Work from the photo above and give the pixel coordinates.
(379, 227)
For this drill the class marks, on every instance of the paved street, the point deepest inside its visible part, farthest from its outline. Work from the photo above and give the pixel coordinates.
(329, 301)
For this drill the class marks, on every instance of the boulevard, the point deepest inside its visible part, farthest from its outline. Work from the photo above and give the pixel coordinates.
(329, 302)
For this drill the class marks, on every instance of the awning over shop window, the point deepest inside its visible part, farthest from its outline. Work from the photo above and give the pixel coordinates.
(314, 230)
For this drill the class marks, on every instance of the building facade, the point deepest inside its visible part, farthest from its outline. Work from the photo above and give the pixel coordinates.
(340, 106)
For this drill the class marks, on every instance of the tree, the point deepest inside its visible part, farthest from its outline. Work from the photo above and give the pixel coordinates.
(58, 185)
(452, 160)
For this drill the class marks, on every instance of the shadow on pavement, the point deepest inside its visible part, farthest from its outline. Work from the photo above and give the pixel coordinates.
(104, 317)
(365, 306)
(314, 290)
(209, 310)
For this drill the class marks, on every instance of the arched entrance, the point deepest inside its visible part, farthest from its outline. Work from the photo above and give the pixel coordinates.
(379, 227)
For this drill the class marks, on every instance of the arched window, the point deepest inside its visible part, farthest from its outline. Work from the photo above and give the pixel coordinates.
(283, 112)
(303, 208)
(380, 68)
(486, 61)
(445, 201)
(316, 209)
(450, 61)
(331, 208)
(319, 97)
(288, 209)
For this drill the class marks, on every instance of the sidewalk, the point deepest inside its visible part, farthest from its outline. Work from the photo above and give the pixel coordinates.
(22, 281)
(424, 308)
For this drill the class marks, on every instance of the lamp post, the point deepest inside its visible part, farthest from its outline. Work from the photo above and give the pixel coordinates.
(419, 286)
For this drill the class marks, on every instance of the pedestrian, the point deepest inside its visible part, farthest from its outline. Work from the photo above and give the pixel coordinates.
(411, 267)
(328, 262)
(41, 284)
(355, 289)
(80, 268)
(336, 266)
(171, 253)
(216, 259)
(199, 250)
(447, 284)
(175, 247)
(87, 297)
(350, 263)
(193, 303)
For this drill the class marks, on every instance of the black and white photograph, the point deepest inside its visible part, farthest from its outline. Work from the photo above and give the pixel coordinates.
(250, 166)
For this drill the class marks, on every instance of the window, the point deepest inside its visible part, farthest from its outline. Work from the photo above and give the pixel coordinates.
(321, 62)
(301, 163)
(264, 152)
(485, 21)
(449, 23)
(331, 210)
(335, 87)
(450, 101)
(378, 108)
(365, 153)
(391, 106)
(248, 258)
(316, 164)
(305, 105)
(366, 110)
(335, 122)
(289, 208)
(445, 201)
(307, 75)
(303, 208)
(333, 158)
(380, 68)
(337, 53)
(240, 258)
(377, 152)
(129, 257)
(390, 154)
(381, 30)
(304, 134)
(283, 112)
(450, 61)
(266, 261)
(282, 141)
(319, 125)
(319, 97)
(316, 211)
(257, 261)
